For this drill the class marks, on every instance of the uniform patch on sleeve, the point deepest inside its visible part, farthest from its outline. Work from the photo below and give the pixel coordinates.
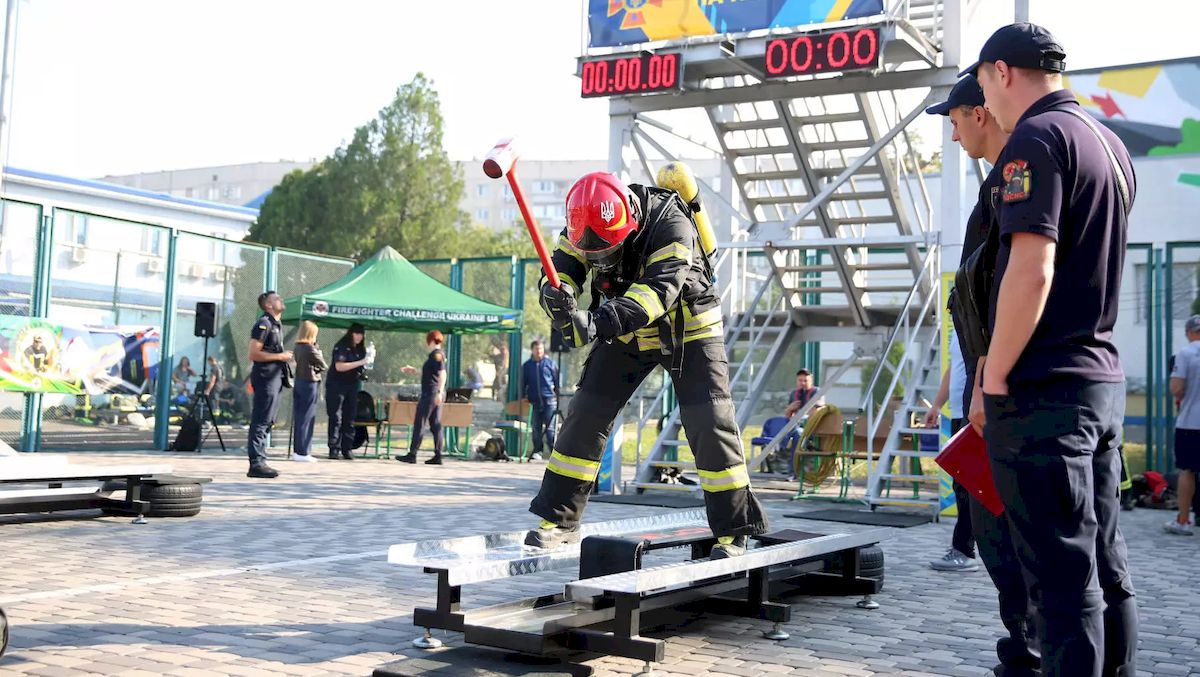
(437, 356)
(1017, 181)
(262, 327)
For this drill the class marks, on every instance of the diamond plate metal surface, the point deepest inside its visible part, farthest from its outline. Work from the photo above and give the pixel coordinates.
(682, 573)
(486, 557)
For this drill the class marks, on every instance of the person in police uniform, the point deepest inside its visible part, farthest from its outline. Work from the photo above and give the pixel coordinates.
(429, 405)
(1051, 399)
(270, 365)
(976, 130)
(341, 390)
(660, 307)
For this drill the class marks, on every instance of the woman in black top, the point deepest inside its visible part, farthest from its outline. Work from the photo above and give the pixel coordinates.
(341, 390)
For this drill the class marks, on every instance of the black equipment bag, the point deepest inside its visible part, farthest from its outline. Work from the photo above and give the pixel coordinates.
(364, 410)
(188, 438)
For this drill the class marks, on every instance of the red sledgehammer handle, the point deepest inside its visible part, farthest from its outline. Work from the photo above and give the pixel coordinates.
(534, 232)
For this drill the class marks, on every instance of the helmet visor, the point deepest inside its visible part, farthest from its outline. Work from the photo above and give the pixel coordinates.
(604, 259)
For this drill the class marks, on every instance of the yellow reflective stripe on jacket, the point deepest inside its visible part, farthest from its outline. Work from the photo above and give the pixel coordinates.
(724, 480)
(674, 250)
(580, 469)
(647, 298)
(708, 317)
(565, 246)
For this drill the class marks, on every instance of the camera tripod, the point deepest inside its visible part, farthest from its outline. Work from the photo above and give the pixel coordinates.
(201, 396)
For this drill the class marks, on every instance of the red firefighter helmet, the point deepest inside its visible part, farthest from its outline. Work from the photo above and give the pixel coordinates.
(601, 213)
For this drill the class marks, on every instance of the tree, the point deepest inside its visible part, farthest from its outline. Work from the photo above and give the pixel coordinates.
(392, 184)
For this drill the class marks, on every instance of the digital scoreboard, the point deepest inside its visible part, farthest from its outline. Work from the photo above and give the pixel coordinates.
(637, 74)
(824, 52)
(830, 51)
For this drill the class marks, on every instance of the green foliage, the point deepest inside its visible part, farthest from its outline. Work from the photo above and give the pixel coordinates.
(879, 392)
(392, 184)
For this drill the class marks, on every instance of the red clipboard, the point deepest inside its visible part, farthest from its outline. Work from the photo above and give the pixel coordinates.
(965, 459)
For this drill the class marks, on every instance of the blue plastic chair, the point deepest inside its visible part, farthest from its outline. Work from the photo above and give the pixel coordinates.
(770, 430)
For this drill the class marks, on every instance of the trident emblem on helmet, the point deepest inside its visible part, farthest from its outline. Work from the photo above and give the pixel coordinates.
(608, 211)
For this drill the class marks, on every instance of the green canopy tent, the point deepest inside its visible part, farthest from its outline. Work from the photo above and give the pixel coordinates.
(388, 293)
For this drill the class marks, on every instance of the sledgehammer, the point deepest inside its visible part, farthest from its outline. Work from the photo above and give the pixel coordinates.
(502, 161)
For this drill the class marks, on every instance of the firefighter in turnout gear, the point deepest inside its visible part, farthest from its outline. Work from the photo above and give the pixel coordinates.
(653, 303)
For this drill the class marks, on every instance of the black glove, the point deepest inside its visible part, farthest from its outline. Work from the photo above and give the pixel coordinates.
(559, 303)
(579, 330)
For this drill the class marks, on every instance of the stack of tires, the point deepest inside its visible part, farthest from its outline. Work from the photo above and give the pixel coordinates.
(166, 500)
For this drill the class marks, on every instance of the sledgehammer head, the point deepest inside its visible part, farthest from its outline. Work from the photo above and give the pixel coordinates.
(500, 159)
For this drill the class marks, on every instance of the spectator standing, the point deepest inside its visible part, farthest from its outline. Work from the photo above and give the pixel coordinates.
(341, 390)
(429, 406)
(498, 354)
(216, 374)
(1185, 387)
(1051, 397)
(539, 385)
(310, 366)
(270, 366)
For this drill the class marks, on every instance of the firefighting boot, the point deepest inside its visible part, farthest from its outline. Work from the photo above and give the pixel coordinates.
(549, 536)
(728, 546)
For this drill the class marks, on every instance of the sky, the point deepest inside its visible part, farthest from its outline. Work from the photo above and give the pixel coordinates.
(123, 86)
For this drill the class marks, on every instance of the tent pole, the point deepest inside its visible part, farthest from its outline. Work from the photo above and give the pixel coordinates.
(515, 340)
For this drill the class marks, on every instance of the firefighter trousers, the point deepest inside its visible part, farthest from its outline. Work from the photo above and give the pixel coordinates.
(610, 375)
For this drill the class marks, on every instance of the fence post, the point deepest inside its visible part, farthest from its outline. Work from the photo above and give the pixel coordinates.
(516, 299)
(1168, 328)
(39, 306)
(454, 341)
(162, 394)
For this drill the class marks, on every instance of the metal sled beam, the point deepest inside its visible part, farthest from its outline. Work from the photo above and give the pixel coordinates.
(486, 557)
(667, 576)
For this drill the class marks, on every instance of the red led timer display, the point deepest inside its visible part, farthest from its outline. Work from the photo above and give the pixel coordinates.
(831, 51)
(638, 74)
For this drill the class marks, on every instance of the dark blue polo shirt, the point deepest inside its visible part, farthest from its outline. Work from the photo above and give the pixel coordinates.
(344, 352)
(539, 380)
(269, 332)
(1059, 183)
(432, 373)
(983, 215)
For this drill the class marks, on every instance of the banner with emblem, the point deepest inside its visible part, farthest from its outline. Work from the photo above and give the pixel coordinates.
(626, 22)
(38, 356)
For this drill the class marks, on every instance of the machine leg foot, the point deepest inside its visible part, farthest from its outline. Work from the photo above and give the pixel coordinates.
(867, 603)
(141, 519)
(647, 671)
(428, 641)
(776, 633)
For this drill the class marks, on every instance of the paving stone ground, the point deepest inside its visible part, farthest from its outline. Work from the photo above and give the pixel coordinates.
(289, 577)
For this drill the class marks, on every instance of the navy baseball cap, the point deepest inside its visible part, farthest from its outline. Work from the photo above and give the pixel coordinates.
(966, 92)
(1024, 45)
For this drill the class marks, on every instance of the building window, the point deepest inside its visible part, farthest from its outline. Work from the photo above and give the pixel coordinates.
(508, 215)
(216, 248)
(544, 187)
(508, 196)
(481, 215)
(152, 241)
(75, 228)
(481, 190)
(214, 193)
(232, 192)
(188, 193)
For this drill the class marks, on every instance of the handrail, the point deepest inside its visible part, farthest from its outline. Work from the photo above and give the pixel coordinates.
(926, 266)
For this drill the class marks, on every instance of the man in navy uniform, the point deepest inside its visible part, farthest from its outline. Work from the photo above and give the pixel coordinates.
(539, 385)
(977, 131)
(1053, 392)
(266, 377)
